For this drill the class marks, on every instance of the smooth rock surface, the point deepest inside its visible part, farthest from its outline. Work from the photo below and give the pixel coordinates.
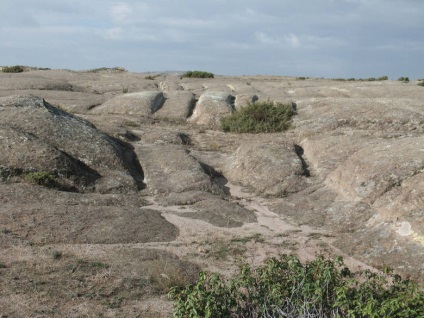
(211, 107)
(141, 103)
(271, 169)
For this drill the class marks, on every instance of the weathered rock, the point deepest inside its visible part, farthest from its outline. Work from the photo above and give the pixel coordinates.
(376, 169)
(221, 213)
(22, 193)
(81, 224)
(142, 103)
(243, 100)
(170, 168)
(178, 106)
(171, 83)
(326, 151)
(72, 136)
(185, 198)
(382, 245)
(23, 153)
(271, 169)
(404, 202)
(211, 107)
(383, 114)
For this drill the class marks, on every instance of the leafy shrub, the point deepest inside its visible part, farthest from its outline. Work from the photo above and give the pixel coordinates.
(259, 117)
(198, 74)
(287, 288)
(42, 178)
(421, 82)
(403, 79)
(13, 69)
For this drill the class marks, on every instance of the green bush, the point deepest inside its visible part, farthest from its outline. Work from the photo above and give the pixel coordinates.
(42, 178)
(403, 79)
(13, 69)
(259, 117)
(285, 287)
(198, 74)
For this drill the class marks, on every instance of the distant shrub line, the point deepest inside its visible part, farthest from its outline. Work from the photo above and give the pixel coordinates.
(198, 74)
(13, 69)
(370, 79)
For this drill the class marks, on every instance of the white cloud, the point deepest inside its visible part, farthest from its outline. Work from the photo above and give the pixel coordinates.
(292, 40)
(114, 33)
(184, 22)
(121, 12)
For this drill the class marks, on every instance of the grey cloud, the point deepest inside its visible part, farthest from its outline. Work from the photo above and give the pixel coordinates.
(332, 38)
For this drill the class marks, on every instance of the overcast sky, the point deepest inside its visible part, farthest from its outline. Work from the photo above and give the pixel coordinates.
(316, 38)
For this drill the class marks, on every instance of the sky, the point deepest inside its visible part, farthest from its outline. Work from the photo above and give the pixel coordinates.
(312, 38)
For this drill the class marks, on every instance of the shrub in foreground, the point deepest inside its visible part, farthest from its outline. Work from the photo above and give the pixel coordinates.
(198, 74)
(259, 117)
(285, 287)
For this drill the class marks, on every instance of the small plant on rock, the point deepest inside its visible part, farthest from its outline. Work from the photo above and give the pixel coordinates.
(42, 178)
(403, 79)
(259, 117)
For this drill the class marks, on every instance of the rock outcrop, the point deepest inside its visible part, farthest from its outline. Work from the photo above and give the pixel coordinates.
(67, 140)
(170, 168)
(141, 103)
(271, 169)
(211, 107)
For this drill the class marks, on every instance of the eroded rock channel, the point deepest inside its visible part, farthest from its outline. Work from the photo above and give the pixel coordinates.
(115, 183)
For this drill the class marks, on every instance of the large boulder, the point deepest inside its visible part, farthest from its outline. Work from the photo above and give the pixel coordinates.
(270, 169)
(68, 136)
(141, 103)
(243, 100)
(178, 106)
(23, 154)
(170, 168)
(211, 107)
